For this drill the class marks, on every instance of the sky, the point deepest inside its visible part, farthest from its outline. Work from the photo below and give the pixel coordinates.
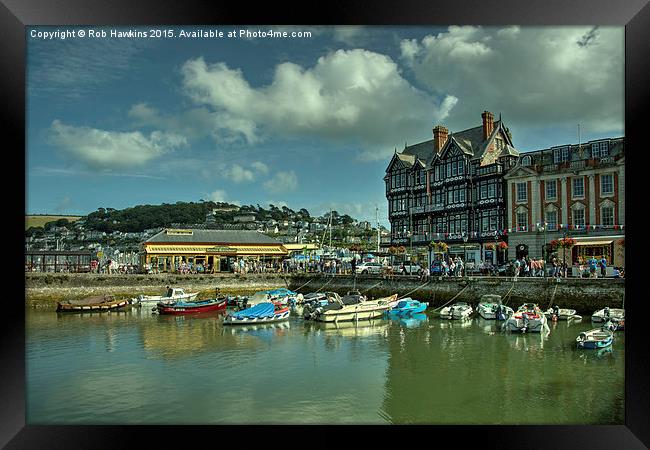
(307, 121)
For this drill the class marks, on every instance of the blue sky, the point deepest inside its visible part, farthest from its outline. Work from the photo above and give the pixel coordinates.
(307, 122)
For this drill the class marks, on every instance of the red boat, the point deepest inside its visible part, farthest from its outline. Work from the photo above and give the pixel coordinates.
(201, 306)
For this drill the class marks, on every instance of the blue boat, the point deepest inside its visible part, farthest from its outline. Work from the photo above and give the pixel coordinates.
(413, 320)
(407, 306)
(596, 338)
(266, 312)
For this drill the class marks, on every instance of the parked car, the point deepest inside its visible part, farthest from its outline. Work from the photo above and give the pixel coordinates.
(411, 268)
(436, 268)
(369, 267)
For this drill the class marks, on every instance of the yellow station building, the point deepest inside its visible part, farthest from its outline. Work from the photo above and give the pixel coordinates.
(214, 250)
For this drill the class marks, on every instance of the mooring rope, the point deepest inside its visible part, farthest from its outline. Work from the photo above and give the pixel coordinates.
(309, 281)
(417, 288)
(552, 296)
(371, 287)
(509, 291)
(452, 299)
(328, 282)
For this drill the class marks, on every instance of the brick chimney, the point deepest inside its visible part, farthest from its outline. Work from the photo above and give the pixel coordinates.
(488, 124)
(440, 134)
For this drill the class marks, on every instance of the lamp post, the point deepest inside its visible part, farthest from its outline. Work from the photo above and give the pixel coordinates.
(543, 227)
(465, 253)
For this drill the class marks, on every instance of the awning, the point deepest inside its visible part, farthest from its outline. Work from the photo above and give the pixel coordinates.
(594, 242)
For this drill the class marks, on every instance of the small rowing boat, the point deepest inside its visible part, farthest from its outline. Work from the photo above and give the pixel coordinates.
(596, 338)
(94, 303)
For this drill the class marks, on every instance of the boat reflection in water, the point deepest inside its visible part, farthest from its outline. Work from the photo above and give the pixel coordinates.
(262, 329)
(348, 329)
(454, 324)
(527, 342)
(411, 321)
(488, 326)
(607, 352)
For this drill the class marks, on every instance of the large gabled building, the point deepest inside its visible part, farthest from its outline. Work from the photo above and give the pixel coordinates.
(451, 188)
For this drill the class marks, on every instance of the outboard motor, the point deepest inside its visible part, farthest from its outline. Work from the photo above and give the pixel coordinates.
(606, 312)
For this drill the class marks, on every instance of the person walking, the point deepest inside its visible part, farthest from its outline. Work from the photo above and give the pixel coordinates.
(592, 267)
(603, 267)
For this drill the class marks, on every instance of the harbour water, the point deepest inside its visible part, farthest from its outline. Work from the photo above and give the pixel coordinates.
(135, 367)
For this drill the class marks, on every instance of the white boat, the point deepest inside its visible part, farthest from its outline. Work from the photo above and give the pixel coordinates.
(613, 314)
(490, 305)
(459, 310)
(170, 296)
(282, 295)
(527, 319)
(352, 307)
(560, 313)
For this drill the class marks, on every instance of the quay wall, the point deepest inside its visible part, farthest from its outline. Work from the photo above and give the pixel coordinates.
(583, 295)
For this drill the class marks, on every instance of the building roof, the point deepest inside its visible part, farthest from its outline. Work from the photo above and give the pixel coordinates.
(470, 141)
(212, 236)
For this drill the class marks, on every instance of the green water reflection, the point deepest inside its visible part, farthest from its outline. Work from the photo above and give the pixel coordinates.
(140, 368)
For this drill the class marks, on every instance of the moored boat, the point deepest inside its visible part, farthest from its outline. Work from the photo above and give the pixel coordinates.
(183, 307)
(493, 310)
(560, 313)
(353, 306)
(605, 314)
(595, 338)
(527, 319)
(93, 303)
(266, 312)
(457, 311)
(170, 295)
(407, 306)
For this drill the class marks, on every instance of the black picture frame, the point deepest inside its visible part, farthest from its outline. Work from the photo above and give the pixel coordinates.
(15, 15)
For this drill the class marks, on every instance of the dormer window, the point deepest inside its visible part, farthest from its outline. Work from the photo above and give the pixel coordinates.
(526, 160)
(560, 154)
(599, 149)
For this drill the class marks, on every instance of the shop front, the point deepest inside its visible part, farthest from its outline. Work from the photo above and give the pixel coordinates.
(209, 251)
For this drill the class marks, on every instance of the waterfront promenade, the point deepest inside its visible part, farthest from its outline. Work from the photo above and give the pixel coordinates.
(585, 295)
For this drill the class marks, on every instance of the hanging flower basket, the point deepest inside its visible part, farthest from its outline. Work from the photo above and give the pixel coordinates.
(563, 243)
(441, 247)
(489, 246)
(621, 242)
(392, 249)
(401, 249)
(502, 245)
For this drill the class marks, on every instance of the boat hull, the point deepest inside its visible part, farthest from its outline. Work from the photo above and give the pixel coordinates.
(187, 309)
(595, 344)
(118, 304)
(518, 325)
(279, 316)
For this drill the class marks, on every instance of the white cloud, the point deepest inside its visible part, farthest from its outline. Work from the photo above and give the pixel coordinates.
(239, 175)
(282, 182)
(101, 149)
(220, 196)
(535, 76)
(355, 96)
(260, 167)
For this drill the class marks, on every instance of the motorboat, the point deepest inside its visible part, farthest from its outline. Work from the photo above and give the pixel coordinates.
(266, 312)
(613, 314)
(527, 319)
(93, 303)
(595, 338)
(457, 311)
(185, 307)
(282, 295)
(407, 306)
(490, 308)
(352, 306)
(313, 301)
(169, 296)
(560, 313)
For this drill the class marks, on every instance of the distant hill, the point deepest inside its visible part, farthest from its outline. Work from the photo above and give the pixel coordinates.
(39, 220)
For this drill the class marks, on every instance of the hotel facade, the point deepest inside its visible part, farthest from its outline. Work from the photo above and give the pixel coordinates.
(574, 191)
(452, 189)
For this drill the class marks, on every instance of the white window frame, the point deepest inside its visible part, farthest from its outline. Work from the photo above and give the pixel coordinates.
(602, 215)
(573, 187)
(525, 190)
(610, 176)
(573, 217)
(554, 184)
